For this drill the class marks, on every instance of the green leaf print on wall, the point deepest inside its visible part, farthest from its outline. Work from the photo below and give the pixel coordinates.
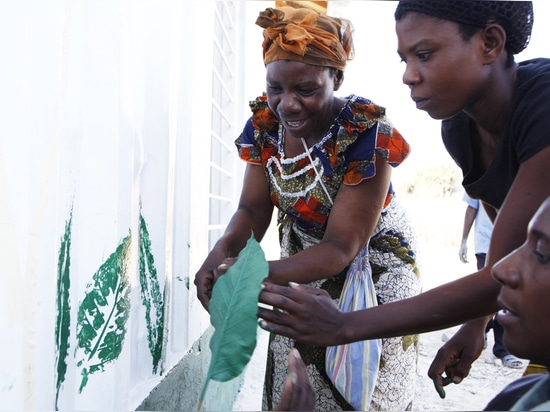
(233, 309)
(63, 309)
(102, 315)
(151, 296)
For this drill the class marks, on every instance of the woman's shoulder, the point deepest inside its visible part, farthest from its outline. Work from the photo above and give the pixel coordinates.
(366, 128)
(537, 65)
(263, 117)
(362, 108)
(358, 116)
(533, 78)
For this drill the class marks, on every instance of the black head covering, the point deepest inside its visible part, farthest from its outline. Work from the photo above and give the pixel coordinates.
(515, 17)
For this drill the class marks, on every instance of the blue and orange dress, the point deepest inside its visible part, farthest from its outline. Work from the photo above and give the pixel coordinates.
(302, 188)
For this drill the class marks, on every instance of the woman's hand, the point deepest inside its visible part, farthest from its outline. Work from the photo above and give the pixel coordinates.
(456, 357)
(303, 313)
(205, 280)
(298, 393)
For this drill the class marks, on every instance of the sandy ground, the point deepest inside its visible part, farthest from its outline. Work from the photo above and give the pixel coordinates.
(439, 227)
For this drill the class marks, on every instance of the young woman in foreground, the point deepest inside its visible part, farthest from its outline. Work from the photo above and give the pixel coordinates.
(460, 68)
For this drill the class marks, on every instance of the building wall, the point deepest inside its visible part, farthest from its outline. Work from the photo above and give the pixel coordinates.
(108, 200)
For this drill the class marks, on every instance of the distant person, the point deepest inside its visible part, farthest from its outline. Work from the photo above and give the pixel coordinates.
(475, 216)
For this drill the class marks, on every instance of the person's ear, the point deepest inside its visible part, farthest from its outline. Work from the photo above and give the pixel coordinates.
(338, 79)
(494, 42)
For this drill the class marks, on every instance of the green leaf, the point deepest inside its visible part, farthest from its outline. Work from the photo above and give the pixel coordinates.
(103, 313)
(233, 310)
(63, 306)
(151, 296)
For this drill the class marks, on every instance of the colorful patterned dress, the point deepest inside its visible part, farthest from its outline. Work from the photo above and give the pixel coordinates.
(346, 155)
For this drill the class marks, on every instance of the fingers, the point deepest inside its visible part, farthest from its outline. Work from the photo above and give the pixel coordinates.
(273, 320)
(204, 283)
(287, 301)
(298, 393)
(439, 383)
(442, 371)
(285, 297)
(463, 252)
(448, 367)
(300, 312)
(224, 266)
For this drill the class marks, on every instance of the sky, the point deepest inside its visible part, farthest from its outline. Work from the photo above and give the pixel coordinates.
(376, 72)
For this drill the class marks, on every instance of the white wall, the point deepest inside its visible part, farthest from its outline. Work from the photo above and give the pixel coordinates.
(105, 114)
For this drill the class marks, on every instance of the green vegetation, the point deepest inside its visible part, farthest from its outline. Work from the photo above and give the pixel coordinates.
(438, 181)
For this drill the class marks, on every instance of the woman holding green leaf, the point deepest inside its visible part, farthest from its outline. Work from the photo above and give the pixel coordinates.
(325, 162)
(495, 124)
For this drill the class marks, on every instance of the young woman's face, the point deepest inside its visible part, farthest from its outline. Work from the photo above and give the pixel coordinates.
(444, 72)
(302, 96)
(524, 298)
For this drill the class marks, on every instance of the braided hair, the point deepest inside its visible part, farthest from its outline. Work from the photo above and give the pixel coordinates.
(515, 17)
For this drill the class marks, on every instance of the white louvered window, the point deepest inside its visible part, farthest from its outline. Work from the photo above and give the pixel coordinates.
(225, 126)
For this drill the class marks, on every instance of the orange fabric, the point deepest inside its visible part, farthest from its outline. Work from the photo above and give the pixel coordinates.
(398, 148)
(306, 36)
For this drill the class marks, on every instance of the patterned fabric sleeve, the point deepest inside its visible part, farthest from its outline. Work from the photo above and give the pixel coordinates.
(249, 149)
(375, 134)
(253, 138)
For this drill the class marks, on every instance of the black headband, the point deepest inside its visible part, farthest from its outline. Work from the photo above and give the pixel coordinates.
(516, 17)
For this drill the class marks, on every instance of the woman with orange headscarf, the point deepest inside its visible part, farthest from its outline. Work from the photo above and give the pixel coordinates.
(325, 162)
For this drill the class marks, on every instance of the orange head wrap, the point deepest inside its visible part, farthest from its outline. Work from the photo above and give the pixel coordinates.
(306, 36)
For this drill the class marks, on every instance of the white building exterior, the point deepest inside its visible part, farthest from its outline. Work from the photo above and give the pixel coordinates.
(117, 173)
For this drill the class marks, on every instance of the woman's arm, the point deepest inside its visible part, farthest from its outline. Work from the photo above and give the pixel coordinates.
(352, 220)
(353, 217)
(253, 214)
(311, 316)
(529, 190)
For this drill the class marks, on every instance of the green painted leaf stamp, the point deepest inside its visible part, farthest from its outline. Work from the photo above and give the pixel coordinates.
(103, 313)
(63, 308)
(151, 296)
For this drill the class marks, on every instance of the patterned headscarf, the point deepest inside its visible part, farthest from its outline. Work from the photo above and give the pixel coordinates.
(515, 17)
(306, 36)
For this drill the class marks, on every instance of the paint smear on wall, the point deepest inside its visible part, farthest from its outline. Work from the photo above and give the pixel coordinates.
(63, 306)
(151, 296)
(103, 313)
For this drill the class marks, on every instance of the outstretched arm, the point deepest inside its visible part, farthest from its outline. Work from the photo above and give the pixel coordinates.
(529, 190)
(253, 214)
(309, 315)
(312, 317)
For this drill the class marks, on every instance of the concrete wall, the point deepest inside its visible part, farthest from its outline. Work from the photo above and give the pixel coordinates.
(181, 388)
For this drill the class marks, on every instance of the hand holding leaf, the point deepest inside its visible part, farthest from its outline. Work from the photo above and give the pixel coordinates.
(233, 311)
